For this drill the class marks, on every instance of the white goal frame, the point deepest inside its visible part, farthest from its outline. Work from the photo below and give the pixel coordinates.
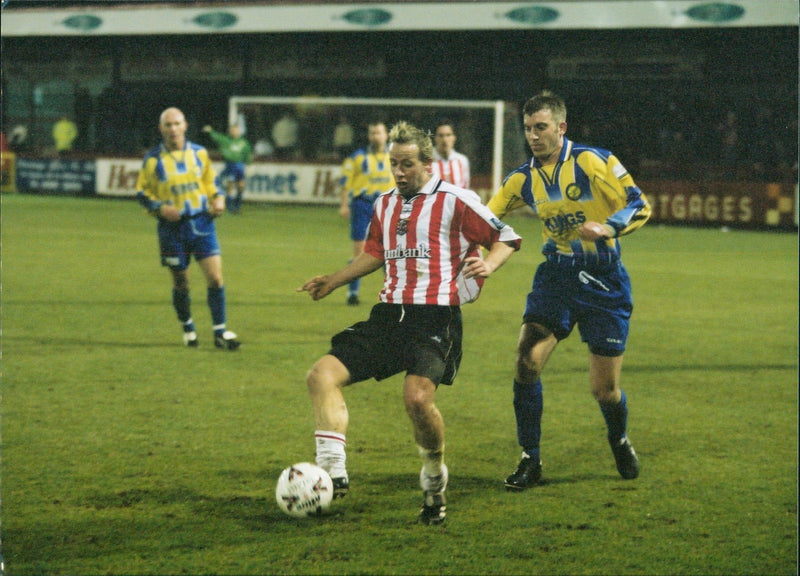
(497, 105)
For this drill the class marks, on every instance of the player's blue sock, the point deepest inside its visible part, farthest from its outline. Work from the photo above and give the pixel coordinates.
(616, 416)
(528, 408)
(182, 304)
(216, 302)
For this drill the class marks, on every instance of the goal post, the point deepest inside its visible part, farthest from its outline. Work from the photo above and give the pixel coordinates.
(484, 128)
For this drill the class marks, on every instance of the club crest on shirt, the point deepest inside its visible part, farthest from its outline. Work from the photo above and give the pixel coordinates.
(573, 192)
(402, 227)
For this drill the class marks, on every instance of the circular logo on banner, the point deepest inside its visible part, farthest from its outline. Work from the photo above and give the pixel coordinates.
(368, 17)
(532, 15)
(83, 22)
(216, 20)
(715, 12)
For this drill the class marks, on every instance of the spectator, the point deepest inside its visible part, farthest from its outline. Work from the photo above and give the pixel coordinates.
(285, 137)
(65, 131)
(728, 138)
(343, 138)
(18, 139)
(263, 148)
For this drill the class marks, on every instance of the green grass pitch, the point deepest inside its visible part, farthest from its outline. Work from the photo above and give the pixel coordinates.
(125, 453)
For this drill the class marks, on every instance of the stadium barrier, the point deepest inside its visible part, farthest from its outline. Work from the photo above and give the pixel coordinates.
(735, 204)
(266, 181)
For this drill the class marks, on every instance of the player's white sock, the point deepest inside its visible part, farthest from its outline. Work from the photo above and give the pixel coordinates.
(432, 461)
(330, 452)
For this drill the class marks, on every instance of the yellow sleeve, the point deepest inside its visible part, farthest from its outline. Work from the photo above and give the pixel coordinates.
(208, 176)
(348, 169)
(146, 182)
(508, 197)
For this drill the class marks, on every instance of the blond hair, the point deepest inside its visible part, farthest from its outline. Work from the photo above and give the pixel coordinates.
(404, 133)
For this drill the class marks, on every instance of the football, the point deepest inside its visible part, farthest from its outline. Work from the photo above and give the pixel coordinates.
(304, 489)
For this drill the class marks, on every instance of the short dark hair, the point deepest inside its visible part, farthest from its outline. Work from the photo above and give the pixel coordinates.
(444, 122)
(547, 100)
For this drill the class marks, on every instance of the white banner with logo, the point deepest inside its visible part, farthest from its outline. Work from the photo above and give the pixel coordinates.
(233, 18)
(266, 182)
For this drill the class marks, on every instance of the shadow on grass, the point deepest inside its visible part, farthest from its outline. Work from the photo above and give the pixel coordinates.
(668, 368)
(50, 342)
(179, 519)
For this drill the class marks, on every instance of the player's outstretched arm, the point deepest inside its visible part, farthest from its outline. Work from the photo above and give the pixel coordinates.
(320, 286)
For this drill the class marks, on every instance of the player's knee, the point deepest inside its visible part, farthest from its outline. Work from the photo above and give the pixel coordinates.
(606, 393)
(318, 380)
(528, 369)
(415, 404)
(418, 399)
(325, 376)
(180, 280)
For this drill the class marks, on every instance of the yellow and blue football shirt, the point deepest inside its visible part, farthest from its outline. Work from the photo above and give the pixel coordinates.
(185, 179)
(585, 184)
(367, 173)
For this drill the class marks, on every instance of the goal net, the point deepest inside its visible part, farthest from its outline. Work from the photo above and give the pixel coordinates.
(488, 132)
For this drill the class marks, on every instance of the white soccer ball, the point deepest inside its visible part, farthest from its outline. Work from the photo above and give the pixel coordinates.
(304, 489)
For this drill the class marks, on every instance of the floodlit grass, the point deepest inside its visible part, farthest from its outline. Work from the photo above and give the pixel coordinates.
(125, 453)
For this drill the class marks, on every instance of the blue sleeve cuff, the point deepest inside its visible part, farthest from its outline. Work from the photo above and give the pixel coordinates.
(148, 203)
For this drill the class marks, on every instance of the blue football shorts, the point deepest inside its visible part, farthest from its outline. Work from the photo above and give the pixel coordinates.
(597, 299)
(234, 171)
(179, 241)
(418, 339)
(360, 217)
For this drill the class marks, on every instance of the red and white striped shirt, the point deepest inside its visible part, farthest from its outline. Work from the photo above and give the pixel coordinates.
(453, 169)
(424, 241)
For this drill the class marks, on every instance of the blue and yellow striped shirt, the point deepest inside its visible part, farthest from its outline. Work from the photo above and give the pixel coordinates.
(586, 184)
(366, 172)
(184, 179)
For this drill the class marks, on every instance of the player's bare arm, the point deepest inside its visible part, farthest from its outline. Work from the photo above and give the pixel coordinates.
(320, 286)
(477, 267)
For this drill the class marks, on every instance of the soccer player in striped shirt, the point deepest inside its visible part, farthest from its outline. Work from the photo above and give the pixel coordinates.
(424, 233)
(449, 165)
(586, 200)
(177, 186)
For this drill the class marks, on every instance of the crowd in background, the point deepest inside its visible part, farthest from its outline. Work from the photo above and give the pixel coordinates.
(672, 137)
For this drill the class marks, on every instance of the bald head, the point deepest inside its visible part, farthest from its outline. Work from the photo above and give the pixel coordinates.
(170, 113)
(172, 125)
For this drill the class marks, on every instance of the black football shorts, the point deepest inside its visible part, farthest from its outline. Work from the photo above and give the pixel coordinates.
(421, 340)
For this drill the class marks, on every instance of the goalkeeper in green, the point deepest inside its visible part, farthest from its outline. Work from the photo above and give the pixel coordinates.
(237, 153)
